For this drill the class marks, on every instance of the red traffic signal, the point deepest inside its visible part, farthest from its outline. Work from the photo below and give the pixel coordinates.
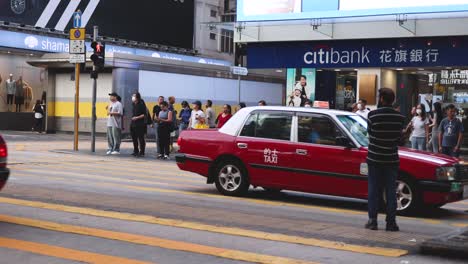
(99, 54)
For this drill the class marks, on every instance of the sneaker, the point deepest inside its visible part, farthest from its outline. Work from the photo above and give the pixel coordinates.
(115, 153)
(392, 227)
(108, 152)
(372, 225)
(135, 154)
(159, 156)
(166, 157)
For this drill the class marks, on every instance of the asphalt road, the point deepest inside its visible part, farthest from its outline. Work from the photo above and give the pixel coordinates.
(65, 207)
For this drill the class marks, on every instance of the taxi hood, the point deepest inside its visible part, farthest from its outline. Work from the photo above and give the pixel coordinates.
(427, 157)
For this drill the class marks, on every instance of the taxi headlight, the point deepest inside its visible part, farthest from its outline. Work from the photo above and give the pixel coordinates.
(446, 173)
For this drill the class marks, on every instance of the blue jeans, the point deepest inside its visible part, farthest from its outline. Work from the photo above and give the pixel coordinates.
(418, 143)
(449, 152)
(382, 178)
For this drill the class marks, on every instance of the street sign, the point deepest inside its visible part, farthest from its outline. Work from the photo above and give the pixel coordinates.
(77, 58)
(239, 71)
(77, 41)
(77, 19)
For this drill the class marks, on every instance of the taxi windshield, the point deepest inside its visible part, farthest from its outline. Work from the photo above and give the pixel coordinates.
(357, 126)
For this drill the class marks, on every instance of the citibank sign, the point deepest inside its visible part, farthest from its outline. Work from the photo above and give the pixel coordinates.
(334, 57)
(393, 53)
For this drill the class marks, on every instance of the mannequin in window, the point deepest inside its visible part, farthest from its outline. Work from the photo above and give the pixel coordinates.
(11, 91)
(28, 95)
(19, 94)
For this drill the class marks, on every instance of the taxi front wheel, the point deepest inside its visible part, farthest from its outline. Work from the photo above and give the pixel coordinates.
(231, 178)
(408, 199)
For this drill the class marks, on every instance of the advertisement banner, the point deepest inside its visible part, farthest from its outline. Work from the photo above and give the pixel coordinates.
(300, 87)
(270, 10)
(414, 52)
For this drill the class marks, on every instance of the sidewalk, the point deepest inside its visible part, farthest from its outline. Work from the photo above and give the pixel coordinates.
(454, 244)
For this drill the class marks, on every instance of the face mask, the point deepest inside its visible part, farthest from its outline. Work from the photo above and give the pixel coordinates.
(418, 111)
(308, 106)
(133, 99)
(359, 106)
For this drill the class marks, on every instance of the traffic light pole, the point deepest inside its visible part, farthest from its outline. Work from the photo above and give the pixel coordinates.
(77, 106)
(93, 114)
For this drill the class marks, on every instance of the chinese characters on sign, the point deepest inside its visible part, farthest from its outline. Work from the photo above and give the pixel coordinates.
(455, 76)
(271, 156)
(413, 56)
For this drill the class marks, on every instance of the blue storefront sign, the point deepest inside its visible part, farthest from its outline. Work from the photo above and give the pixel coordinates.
(58, 45)
(393, 53)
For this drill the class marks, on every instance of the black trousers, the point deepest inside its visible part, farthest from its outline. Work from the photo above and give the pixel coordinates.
(164, 138)
(10, 98)
(138, 137)
(38, 124)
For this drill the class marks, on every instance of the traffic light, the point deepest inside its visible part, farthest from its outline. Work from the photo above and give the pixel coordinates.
(99, 54)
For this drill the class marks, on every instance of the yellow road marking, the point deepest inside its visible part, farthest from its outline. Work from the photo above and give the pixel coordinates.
(151, 241)
(250, 200)
(460, 225)
(63, 253)
(387, 252)
(107, 178)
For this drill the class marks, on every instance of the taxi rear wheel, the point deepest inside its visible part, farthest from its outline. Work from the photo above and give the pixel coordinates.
(231, 178)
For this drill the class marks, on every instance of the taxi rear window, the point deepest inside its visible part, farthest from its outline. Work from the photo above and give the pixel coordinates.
(268, 125)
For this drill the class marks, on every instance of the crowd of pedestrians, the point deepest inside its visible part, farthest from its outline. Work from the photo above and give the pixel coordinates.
(165, 120)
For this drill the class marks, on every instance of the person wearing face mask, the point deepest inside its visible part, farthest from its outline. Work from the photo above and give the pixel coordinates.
(224, 116)
(308, 103)
(420, 125)
(138, 125)
(362, 109)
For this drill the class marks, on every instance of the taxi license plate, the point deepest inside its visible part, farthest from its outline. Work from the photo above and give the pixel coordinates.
(465, 192)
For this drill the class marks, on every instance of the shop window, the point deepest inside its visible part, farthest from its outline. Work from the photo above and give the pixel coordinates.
(212, 36)
(227, 41)
(213, 13)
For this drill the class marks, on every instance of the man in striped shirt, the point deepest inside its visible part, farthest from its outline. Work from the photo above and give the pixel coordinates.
(384, 126)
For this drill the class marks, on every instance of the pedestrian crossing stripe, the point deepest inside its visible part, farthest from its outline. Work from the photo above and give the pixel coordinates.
(379, 251)
(152, 241)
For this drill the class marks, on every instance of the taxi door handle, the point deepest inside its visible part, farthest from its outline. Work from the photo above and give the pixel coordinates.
(242, 145)
(301, 152)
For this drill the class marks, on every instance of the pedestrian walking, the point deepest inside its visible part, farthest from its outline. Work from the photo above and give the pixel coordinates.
(38, 110)
(435, 126)
(156, 110)
(362, 108)
(184, 116)
(138, 125)
(420, 126)
(451, 133)
(384, 128)
(210, 114)
(164, 121)
(196, 114)
(224, 116)
(114, 125)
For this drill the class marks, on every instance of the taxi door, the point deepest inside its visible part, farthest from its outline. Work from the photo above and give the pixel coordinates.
(265, 147)
(324, 164)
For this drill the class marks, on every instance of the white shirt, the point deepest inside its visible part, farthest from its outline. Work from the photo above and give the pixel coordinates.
(112, 120)
(193, 117)
(419, 127)
(210, 115)
(364, 113)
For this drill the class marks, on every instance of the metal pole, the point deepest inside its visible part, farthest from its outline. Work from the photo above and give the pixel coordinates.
(77, 105)
(239, 88)
(93, 114)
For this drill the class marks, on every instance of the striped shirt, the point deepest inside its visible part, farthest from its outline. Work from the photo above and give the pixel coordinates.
(385, 126)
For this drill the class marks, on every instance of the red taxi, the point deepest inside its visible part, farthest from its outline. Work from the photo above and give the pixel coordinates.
(4, 172)
(314, 151)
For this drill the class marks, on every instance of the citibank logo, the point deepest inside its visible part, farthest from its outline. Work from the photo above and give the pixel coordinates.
(31, 42)
(332, 56)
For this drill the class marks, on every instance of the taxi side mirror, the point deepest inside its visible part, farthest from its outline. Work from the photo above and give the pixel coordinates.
(344, 142)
